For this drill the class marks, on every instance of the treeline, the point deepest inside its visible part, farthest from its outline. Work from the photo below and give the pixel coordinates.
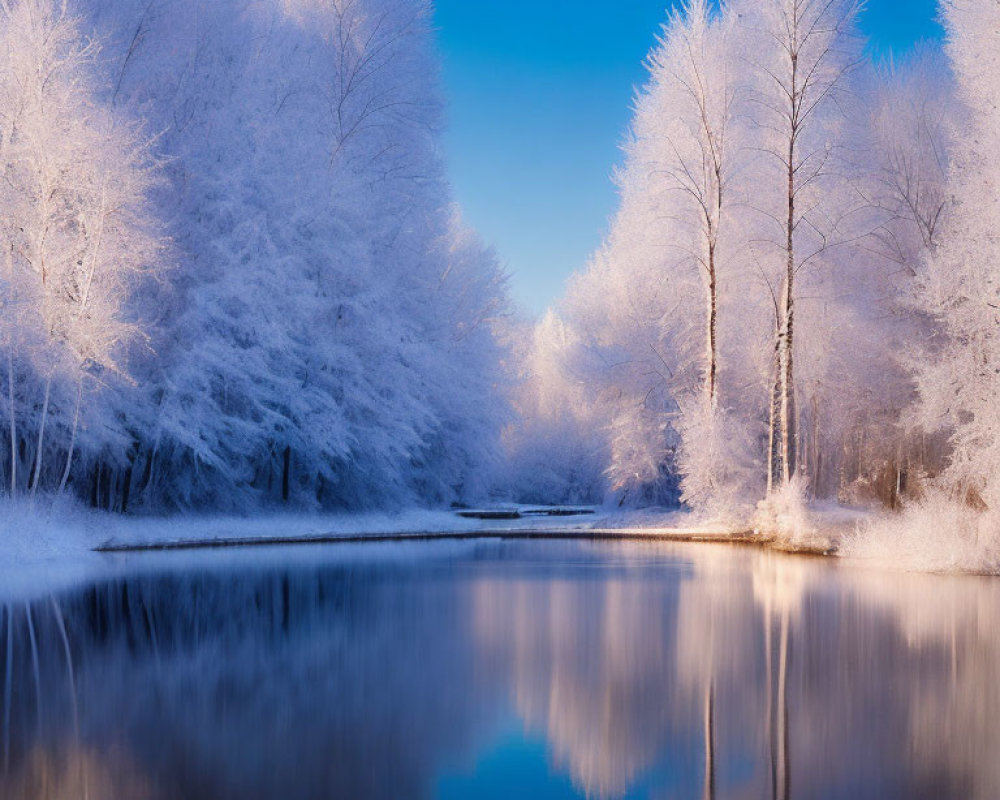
(232, 271)
(798, 295)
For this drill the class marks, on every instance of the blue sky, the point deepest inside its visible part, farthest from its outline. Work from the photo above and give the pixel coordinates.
(539, 95)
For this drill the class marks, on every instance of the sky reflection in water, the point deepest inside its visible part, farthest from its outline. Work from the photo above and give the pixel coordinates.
(496, 670)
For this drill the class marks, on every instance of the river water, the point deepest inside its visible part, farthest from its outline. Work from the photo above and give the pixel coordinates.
(491, 669)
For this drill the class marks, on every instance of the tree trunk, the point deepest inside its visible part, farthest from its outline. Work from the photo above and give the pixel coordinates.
(712, 357)
(789, 432)
(72, 439)
(41, 437)
(127, 489)
(774, 428)
(816, 478)
(786, 431)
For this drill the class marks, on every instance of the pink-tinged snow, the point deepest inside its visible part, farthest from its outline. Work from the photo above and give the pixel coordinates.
(935, 535)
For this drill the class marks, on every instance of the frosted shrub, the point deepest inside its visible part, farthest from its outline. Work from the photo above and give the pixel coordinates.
(716, 462)
(938, 533)
(784, 515)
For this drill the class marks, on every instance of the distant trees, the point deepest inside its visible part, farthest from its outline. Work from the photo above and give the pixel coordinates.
(555, 450)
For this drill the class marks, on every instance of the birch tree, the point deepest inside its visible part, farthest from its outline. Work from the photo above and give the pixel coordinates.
(682, 127)
(77, 228)
(800, 54)
(686, 152)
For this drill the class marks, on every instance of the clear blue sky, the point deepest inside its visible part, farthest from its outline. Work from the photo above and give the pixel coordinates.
(539, 95)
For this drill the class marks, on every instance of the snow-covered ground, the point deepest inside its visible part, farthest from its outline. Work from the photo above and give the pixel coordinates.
(51, 545)
(48, 546)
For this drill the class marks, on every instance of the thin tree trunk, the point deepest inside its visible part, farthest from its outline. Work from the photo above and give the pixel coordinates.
(72, 439)
(774, 428)
(713, 345)
(817, 452)
(789, 434)
(127, 489)
(41, 436)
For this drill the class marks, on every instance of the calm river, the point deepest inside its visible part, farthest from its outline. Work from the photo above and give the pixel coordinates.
(491, 669)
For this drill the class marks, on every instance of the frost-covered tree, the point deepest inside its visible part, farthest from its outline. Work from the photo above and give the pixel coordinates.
(327, 333)
(683, 162)
(799, 54)
(77, 236)
(683, 154)
(903, 159)
(913, 118)
(958, 380)
(745, 317)
(331, 329)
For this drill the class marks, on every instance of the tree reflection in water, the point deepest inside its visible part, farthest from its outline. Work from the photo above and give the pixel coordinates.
(649, 671)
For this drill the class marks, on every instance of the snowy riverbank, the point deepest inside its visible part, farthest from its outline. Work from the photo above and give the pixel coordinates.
(46, 545)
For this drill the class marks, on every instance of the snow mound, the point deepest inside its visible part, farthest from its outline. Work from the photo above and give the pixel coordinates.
(934, 535)
(784, 515)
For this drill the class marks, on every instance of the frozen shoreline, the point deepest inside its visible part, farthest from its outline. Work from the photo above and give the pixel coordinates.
(45, 547)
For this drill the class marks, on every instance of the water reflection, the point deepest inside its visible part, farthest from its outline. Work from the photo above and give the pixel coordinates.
(642, 670)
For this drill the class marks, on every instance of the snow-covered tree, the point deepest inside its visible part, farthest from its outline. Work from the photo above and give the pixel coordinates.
(684, 162)
(958, 379)
(327, 333)
(799, 54)
(77, 234)
(902, 165)
(330, 336)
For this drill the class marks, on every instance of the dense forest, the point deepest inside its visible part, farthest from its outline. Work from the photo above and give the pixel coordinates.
(233, 271)
(234, 274)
